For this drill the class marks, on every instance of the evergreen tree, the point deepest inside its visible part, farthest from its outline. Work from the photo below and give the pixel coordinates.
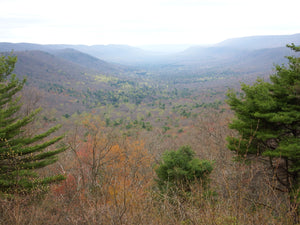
(179, 169)
(267, 118)
(20, 154)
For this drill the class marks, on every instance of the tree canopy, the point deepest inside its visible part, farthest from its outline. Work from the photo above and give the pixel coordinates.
(180, 168)
(267, 118)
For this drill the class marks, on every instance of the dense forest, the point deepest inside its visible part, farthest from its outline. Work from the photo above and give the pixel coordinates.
(206, 136)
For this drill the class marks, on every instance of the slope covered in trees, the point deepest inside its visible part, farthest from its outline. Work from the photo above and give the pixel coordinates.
(120, 127)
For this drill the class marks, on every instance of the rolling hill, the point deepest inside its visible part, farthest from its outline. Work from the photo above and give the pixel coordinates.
(224, 58)
(89, 61)
(229, 51)
(64, 76)
(44, 67)
(260, 42)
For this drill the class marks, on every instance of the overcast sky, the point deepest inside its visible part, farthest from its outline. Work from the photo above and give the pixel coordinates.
(140, 22)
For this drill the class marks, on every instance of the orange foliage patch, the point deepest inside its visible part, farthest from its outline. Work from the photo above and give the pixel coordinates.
(66, 186)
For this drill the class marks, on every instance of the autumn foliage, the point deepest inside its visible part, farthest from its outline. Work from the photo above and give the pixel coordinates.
(111, 167)
(106, 173)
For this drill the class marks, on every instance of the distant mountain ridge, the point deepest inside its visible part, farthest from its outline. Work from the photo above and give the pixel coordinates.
(128, 55)
(113, 53)
(240, 54)
(260, 42)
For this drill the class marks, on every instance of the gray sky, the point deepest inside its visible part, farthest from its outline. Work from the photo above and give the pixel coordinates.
(141, 22)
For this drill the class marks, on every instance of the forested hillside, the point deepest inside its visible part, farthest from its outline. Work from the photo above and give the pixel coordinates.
(147, 134)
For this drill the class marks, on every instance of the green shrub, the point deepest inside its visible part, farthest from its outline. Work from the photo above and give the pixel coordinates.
(179, 169)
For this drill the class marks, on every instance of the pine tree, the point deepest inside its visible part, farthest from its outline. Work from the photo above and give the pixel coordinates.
(267, 118)
(21, 155)
(179, 169)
